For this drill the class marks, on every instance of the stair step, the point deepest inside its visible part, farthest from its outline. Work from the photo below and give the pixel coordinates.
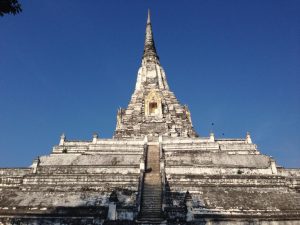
(150, 190)
(151, 187)
(150, 221)
(154, 204)
(154, 211)
(151, 217)
(152, 183)
(148, 199)
(151, 198)
(156, 193)
(151, 202)
(157, 209)
(151, 213)
(151, 195)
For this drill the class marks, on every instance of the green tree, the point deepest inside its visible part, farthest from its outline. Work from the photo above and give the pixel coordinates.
(10, 7)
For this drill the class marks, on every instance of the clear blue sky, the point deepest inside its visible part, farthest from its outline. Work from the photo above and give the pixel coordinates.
(66, 66)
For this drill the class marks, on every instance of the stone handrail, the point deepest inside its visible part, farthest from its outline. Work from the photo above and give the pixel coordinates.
(163, 175)
(141, 181)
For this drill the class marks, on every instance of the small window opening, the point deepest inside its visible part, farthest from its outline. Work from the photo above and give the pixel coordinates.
(153, 108)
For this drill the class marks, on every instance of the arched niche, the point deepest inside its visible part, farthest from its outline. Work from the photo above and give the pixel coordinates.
(153, 106)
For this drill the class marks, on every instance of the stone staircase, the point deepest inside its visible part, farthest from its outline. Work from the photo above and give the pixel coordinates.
(152, 192)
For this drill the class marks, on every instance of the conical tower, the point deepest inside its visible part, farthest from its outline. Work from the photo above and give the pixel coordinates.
(153, 109)
(149, 47)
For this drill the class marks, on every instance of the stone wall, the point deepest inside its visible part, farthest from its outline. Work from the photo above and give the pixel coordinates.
(227, 179)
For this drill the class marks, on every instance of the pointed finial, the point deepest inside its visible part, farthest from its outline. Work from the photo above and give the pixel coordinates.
(145, 139)
(149, 47)
(248, 138)
(188, 196)
(95, 137)
(62, 139)
(148, 19)
(212, 136)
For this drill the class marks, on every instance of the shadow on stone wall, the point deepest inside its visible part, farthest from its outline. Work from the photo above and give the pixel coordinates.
(63, 215)
(178, 209)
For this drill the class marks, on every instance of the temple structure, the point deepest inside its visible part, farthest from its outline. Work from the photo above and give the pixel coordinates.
(153, 109)
(155, 170)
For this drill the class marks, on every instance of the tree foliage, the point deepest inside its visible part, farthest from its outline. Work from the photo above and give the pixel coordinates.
(10, 7)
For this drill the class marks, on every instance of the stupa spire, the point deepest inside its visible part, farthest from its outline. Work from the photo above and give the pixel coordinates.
(148, 19)
(149, 47)
(153, 109)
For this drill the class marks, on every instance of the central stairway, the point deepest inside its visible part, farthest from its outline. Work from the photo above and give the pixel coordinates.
(152, 192)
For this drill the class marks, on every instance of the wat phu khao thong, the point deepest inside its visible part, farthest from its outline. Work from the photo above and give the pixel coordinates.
(155, 169)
